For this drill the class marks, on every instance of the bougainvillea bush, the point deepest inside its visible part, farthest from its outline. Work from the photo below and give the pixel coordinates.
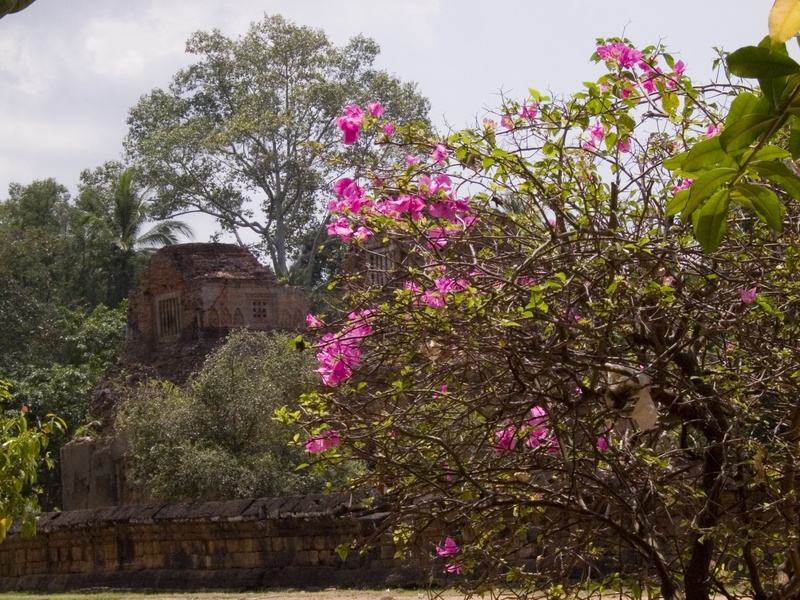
(555, 388)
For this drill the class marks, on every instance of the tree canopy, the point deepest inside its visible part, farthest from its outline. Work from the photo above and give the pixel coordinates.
(247, 134)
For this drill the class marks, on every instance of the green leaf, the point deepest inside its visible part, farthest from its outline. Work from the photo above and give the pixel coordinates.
(677, 203)
(674, 162)
(778, 173)
(773, 89)
(761, 63)
(745, 131)
(745, 104)
(710, 221)
(794, 140)
(706, 185)
(706, 154)
(765, 153)
(762, 201)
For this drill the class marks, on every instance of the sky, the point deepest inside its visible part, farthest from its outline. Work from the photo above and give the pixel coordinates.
(71, 69)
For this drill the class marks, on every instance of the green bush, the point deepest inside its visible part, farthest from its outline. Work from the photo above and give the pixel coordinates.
(217, 437)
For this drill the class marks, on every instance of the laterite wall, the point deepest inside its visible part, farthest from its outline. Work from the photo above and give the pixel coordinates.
(260, 543)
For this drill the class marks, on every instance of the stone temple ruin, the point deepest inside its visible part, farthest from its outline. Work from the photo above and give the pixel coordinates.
(190, 296)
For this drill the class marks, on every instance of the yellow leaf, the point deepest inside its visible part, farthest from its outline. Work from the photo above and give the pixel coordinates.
(5, 524)
(784, 20)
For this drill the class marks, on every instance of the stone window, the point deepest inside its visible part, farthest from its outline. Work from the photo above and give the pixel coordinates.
(260, 310)
(381, 261)
(168, 316)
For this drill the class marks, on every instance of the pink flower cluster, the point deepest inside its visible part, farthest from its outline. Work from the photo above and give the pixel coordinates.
(446, 550)
(353, 119)
(620, 53)
(538, 434)
(437, 297)
(596, 134)
(528, 112)
(340, 352)
(350, 123)
(434, 195)
(684, 184)
(324, 441)
(350, 199)
(627, 57)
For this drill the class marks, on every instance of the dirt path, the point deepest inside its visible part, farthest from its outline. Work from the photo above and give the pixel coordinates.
(330, 594)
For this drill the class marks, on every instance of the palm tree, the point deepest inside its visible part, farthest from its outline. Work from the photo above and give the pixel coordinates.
(119, 219)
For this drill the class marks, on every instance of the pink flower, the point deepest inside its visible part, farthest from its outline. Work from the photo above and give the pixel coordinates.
(411, 159)
(313, 322)
(713, 130)
(685, 184)
(507, 122)
(624, 145)
(439, 154)
(339, 353)
(324, 441)
(619, 53)
(362, 234)
(539, 434)
(437, 237)
(375, 109)
(748, 296)
(679, 68)
(433, 299)
(506, 439)
(449, 548)
(449, 476)
(602, 443)
(596, 135)
(649, 84)
(490, 124)
(341, 228)
(454, 568)
(529, 112)
(412, 287)
(388, 128)
(350, 197)
(350, 123)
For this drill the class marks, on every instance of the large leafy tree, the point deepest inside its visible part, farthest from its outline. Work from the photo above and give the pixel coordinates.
(247, 134)
(38, 265)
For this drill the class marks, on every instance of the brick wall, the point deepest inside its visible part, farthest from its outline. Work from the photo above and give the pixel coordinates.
(242, 544)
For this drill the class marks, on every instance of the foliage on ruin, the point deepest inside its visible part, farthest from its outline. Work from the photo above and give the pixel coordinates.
(217, 437)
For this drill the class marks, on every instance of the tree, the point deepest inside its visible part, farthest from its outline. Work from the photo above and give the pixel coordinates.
(218, 438)
(23, 452)
(247, 134)
(37, 266)
(116, 212)
(550, 378)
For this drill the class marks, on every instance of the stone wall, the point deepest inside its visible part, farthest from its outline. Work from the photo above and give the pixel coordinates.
(242, 544)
